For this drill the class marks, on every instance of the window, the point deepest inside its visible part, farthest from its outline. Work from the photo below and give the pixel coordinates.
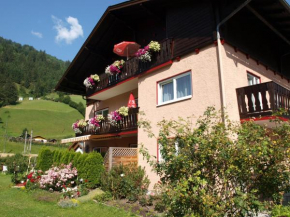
(103, 112)
(159, 155)
(174, 89)
(252, 79)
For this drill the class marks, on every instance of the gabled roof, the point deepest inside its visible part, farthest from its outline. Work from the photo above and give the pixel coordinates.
(96, 52)
(67, 83)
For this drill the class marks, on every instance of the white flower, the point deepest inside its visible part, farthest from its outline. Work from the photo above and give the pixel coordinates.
(108, 71)
(122, 175)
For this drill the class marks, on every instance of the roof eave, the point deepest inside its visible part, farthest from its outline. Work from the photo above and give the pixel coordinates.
(109, 9)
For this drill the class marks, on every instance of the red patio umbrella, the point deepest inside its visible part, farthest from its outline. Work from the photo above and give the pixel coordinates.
(126, 48)
(132, 102)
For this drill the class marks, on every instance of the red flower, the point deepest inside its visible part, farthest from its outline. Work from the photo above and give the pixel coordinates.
(32, 180)
(86, 180)
(29, 176)
(24, 183)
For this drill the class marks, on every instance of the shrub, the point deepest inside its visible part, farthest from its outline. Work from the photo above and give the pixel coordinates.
(220, 169)
(104, 197)
(128, 182)
(279, 210)
(80, 166)
(65, 157)
(44, 160)
(16, 160)
(72, 155)
(92, 169)
(59, 178)
(55, 156)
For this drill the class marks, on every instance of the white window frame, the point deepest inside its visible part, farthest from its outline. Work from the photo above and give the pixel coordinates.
(169, 80)
(101, 111)
(159, 157)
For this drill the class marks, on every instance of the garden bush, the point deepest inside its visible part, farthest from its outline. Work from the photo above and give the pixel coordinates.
(80, 166)
(16, 160)
(92, 169)
(220, 169)
(279, 210)
(65, 157)
(45, 159)
(59, 178)
(128, 182)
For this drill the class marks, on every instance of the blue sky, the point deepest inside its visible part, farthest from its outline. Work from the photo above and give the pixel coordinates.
(59, 27)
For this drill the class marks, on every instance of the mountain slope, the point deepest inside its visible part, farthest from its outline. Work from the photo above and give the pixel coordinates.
(46, 118)
(29, 68)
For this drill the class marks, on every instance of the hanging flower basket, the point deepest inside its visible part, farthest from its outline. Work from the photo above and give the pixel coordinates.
(115, 68)
(90, 82)
(116, 117)
(79, 126)
(96, 121)
(146, 53)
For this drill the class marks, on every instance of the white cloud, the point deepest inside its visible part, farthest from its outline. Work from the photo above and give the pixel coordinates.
(63, 33)
(37, 34)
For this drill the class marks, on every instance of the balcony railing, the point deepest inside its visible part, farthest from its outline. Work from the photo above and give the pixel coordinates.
(262, 99)
(133, 67)
(126, 124)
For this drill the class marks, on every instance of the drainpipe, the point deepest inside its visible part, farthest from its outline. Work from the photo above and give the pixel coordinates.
(219, 57)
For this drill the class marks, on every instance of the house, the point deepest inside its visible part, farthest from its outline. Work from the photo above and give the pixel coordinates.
(20, 99)
(228, 54)
(39, 139)
(30, 98)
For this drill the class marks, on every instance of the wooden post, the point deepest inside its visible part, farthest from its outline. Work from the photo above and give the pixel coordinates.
(25, 141)
(110, 158)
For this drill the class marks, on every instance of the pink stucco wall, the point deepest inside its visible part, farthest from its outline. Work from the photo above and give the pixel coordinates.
(205, 92)
(236, 65)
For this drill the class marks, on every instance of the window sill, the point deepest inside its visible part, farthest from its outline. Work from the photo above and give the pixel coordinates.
(174, 101)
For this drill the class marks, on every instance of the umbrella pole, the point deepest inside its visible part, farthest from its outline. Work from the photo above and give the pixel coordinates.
(127, 54)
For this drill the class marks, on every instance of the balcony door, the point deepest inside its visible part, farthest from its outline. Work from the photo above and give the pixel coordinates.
(253, 80)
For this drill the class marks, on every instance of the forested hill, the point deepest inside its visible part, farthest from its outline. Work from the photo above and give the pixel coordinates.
(33, 72)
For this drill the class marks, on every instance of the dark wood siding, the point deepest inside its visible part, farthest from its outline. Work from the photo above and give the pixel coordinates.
(191, 26)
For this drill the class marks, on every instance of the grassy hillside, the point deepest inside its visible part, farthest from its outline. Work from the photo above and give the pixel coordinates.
(75, 98)
(46, 118)
(17, 147)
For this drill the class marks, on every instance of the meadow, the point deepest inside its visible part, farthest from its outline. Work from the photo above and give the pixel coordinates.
(46, 118)
(18, 202)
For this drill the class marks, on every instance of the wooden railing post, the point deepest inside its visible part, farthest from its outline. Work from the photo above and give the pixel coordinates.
(110, 158)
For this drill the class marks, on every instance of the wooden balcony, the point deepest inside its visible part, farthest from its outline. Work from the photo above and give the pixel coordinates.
(120, 155)
(128, 123)
(134, 67)
(262, 99)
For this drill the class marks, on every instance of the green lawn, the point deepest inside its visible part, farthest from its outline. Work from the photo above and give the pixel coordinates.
(46, 118)
(77, 99)
(16, 147)
(17, 202)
